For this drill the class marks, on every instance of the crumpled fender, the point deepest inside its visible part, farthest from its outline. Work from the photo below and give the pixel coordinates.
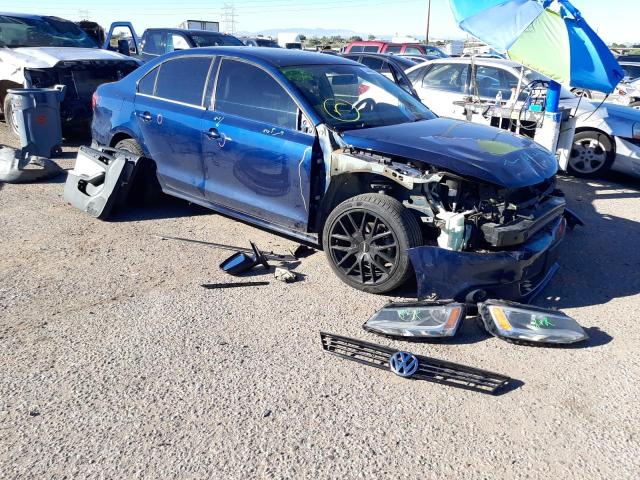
(448, 274)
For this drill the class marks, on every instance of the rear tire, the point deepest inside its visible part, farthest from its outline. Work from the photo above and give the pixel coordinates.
(366, 239)
(591, 155)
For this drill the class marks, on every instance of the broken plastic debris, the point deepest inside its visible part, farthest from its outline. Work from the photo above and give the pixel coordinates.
(284, 275)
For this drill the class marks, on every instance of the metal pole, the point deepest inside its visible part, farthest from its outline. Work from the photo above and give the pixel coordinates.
(428, 21)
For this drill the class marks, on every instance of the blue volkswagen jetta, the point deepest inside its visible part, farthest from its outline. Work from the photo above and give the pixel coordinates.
(329, 152)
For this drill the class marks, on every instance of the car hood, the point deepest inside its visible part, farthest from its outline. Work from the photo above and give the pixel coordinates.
(467, 149)
(47, 57)
(602, 110)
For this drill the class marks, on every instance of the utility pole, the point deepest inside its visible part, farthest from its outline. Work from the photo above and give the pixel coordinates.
(428, 21)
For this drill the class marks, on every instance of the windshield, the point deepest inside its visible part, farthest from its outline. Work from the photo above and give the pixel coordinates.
(349, 97)
(42, 32)
(215, 40)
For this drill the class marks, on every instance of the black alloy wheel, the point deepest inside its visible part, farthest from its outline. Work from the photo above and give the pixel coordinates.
(365, 240)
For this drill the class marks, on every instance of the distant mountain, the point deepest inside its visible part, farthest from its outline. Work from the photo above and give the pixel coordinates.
(314, 32)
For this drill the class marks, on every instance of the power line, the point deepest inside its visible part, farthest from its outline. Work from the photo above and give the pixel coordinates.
(229, 18)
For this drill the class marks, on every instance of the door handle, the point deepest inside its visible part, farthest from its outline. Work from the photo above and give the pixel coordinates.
(146, 116)
(213, 134)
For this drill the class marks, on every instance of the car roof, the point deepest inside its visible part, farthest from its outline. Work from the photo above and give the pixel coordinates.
(479, 60)
(276, 57)
(30, 15)
(185, 30)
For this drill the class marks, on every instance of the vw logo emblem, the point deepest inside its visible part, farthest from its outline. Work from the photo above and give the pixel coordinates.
(404, 364)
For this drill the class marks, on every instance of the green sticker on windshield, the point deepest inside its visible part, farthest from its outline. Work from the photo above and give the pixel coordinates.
(297, 74)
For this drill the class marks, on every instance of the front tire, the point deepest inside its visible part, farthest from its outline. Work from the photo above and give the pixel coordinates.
(9, 117)
(366, 239)
(591, 155)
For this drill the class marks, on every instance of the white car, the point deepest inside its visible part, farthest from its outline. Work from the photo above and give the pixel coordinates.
(42, 51)
(607, 135)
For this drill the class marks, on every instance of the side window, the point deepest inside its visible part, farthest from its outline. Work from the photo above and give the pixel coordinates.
(412, 51)
(148, 82)
(175, 84)
(491, 80)
(393, 49)
(153, 43)
(252, 93)
(177, 42)
(373, 63)
(356, 49)
(371, 49)
(418, 74)
(400, 79)
(449, 77)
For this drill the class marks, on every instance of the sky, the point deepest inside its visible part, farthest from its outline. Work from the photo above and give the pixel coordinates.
(614, 20)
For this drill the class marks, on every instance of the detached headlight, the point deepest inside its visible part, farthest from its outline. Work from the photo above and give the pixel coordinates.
(513, 321)
(636, 130)
(417, 319)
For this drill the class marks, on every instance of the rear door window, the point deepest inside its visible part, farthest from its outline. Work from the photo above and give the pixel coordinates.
(491, 80)
(249, 92)
(371, 49)
(412, 51)
(393, 49)
(148, 82)
(449, 77)
(183, 79)
(373, 63)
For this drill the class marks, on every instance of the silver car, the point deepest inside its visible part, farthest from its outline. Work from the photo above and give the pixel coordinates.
(607, 135)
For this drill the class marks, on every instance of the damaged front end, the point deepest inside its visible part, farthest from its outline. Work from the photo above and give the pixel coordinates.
(82, 78)
(482, 240)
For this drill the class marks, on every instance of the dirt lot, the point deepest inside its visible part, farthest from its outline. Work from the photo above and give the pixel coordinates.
(117, 363)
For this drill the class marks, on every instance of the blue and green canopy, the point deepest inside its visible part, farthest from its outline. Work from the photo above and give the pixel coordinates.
(549, 36)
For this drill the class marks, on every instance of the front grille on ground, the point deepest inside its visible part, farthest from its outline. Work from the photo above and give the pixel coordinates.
(429, 369)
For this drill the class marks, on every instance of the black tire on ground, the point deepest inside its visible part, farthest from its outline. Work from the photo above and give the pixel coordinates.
(366, 238)
(146, 188)
(8, 115)
(591, 155)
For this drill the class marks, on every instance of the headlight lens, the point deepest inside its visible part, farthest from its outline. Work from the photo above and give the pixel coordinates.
(636, 131)
(418, 319)
(529, 324)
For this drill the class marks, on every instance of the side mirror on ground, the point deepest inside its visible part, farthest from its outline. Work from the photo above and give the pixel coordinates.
(241, 262)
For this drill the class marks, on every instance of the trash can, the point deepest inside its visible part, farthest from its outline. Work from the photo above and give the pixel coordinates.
(36, 113)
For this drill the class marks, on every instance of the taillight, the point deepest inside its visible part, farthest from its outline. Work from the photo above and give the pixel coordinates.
(94, 100)
(362, 89)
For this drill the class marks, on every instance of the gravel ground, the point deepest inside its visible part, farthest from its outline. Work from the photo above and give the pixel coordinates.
(116, 363)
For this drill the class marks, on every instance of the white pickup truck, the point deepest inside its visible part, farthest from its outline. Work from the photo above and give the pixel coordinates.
(43, 51)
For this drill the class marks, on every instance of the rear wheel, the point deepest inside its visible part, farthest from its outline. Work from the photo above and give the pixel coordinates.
(591, 155)
(146, 188)
(366, 239)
